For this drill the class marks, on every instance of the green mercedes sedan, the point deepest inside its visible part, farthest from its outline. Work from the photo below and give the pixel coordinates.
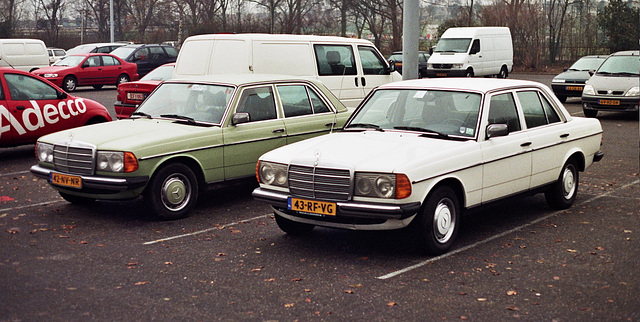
(187, 135)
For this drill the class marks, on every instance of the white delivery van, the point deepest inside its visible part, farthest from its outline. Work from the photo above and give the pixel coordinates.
(472, 51)
(24, 54)
(349, 67)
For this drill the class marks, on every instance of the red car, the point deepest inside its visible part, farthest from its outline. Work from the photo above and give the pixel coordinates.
(130, 95)
(31, 106)
(92, 69)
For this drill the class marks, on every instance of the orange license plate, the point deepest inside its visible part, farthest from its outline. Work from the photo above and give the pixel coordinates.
(609, 102)
(574, 88)
(441, 74)
(66, 180)
(312, 206)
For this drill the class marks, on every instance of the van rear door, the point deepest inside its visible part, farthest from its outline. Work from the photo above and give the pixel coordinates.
(338, 71)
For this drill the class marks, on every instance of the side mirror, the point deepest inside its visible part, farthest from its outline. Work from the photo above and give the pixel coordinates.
(62, 95)
(392, 66)
(497, 130)
(239, 118)
(591, 72)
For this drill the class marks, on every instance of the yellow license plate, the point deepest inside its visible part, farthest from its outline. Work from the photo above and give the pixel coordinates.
(441, 74)
(574, 88)
(312, 206)
(66, 180)
(609, 102)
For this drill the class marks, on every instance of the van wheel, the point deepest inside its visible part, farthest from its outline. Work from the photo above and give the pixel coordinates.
(124, 78)
(69, 84)
(504, 73)
(469, 73)
(172, 192)
(436, 225)
(564, 191)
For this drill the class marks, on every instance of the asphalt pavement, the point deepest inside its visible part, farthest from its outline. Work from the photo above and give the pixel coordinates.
(518, 260)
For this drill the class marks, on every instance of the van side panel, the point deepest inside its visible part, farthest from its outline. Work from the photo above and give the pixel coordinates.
(194, 59)
(23, 54)
(283, 58)
(230, 56)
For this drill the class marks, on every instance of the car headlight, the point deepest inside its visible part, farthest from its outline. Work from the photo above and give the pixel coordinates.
(50, 75)
(558, 80)
(382, 185)
(272, 173)
(633, 91)
(588, 90)
(112, 161)
(44, 152)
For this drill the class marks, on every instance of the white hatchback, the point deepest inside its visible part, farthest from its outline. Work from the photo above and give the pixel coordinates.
(419, 153)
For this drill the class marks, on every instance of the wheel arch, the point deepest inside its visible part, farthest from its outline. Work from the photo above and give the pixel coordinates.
(189, 161)
(578, 157)
(453, 183)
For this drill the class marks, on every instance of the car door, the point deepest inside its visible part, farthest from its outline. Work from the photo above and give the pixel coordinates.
(506, 159)
(111, 70)
(6, 116)
(374, 69)
(338, 71)
(306, 114)
(545, 130)
(90, 71)
(264, 131)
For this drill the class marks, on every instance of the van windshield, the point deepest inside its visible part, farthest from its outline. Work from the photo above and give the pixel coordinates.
(452, 45)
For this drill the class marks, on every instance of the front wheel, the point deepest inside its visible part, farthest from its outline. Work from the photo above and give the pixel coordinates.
(124, 78)
(564, 191)
(172, 192)
(436, 226)
(292, 227)
(468, 73)
(69, 84)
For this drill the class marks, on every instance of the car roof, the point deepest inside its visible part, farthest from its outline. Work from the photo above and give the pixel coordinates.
(242, 79)
(627, 53)
(462, 84)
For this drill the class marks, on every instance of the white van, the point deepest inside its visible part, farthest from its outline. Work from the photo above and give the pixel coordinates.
(472, 51)
(349, 67)
(23, 54)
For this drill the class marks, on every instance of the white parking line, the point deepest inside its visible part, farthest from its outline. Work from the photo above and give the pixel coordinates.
(32, 205)
(460, 250)
(14, 173)
(205, 230)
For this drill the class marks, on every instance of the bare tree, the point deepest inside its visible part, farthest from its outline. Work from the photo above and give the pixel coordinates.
(142, 12)
(272, 7)
(556, 13)
(9, 14)
(53, 11)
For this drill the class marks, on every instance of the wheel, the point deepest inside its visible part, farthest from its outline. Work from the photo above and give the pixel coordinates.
(563, 192)
(76, 200)
(124, 78)
(172, 192)
(97, 86)
(469, 73)
(562, 98)
(504, 73)
(436, 226)
(590, 113)
(291, 227)
(69, 84)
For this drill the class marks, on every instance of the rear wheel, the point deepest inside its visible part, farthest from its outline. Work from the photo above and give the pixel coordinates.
(504, 73)
(436, 226)
(292, 227)
(563, 192)
(124, 78)
(172, 192)
(69, 84)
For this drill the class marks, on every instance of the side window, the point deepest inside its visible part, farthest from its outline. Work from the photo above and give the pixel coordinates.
(552, 115)
(502, 110)
(475, 47)
(93, 61)
(156, 53)
(142, 54)
(25, 88)
(171, 51)
(103, 50)
(295, 100)
(318, 104)
(335, 60)
(259, 103)
(537, 110)
(372, 64)
(110, 61)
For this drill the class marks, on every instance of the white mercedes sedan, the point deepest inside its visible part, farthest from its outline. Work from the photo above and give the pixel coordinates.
(417, 154)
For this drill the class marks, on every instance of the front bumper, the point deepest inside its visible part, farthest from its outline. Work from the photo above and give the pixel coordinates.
(607, 103)
(446, 73)
(567, 89)
(95, 185)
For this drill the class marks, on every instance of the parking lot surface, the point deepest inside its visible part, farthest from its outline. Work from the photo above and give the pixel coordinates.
(230, 261)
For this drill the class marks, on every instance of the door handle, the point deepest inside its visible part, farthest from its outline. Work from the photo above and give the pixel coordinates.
(278, 131)
(364, 82)
(525, 144)
(356, 79)
(564, 136)
(330, 124)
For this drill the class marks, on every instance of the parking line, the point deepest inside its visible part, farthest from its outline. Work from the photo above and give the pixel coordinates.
(206, 230)
(14, 173)
(32, 205)
(460, 250)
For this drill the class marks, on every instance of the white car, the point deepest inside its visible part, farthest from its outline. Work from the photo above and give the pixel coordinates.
(419, 153)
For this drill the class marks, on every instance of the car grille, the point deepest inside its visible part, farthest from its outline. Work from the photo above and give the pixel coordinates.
(617, 93)
(319, 183)
(443, 66)
(71, 158)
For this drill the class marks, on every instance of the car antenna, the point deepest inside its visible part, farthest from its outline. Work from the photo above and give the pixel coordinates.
(8, 63)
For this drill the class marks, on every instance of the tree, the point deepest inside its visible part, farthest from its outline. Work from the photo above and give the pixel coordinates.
(620, 25)
(556, 13)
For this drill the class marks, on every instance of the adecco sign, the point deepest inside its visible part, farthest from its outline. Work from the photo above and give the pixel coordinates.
(36, 117)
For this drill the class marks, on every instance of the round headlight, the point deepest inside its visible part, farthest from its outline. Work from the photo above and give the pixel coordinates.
(44, 152)
(102, 162)
(267, 173)
(385, 186)
(363, 186)
(116, 163)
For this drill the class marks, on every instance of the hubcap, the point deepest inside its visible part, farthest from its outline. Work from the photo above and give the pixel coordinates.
(443, 221)
(176, 193)
(568, 183)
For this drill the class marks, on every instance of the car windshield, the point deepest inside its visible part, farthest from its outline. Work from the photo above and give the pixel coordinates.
(396, 58)
(626, 65)
(70, 61)
(187, 101)
(123, 52)
(82, 49)
(452, 45)
(159, 74)
(587, 63)
(446, 113)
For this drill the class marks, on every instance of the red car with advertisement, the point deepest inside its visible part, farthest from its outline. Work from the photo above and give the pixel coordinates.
(131, 94)
(31, 106)
(92, 69)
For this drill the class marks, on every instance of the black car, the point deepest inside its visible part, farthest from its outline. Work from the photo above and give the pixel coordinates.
(147, 57)
(571, 82)
(423, 57)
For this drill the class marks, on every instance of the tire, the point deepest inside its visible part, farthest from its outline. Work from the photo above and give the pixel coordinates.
(468, 73)
(172, 192)
(436, 227)
(590, 113)
(76, 200)
(563, 192)
(504, 73)
(124, 78)
(97, 86)
(291, 227)
(69, 84)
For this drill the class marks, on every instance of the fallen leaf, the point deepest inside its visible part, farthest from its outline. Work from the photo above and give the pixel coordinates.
(512, 292)
(572, 251)
(308, 300)
(512, 308)
(270, 280)
(482, 299)
(349, 291)
(289, 304)
(392, 304)
(297, 279)
(141, 283)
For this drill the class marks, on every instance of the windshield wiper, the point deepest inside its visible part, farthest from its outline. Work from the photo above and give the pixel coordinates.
(364, 125)
(421, 129)
(189, 120)
(143, 114)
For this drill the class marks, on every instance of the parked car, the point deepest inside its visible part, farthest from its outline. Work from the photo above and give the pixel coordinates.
(614, 86)
(147, 57)
(55, 54)
(420, 153)
(31, 106)
(96, 70)
(100, 47)
(571, 82)
(23, 54)
(186, 135)
(423, 57)
(131, 94)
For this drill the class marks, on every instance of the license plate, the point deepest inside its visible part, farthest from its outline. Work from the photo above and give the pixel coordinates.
(135, 96)
(312, 206)
(574, 88)
(66, 180)
(441, 74)
(609, 102)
